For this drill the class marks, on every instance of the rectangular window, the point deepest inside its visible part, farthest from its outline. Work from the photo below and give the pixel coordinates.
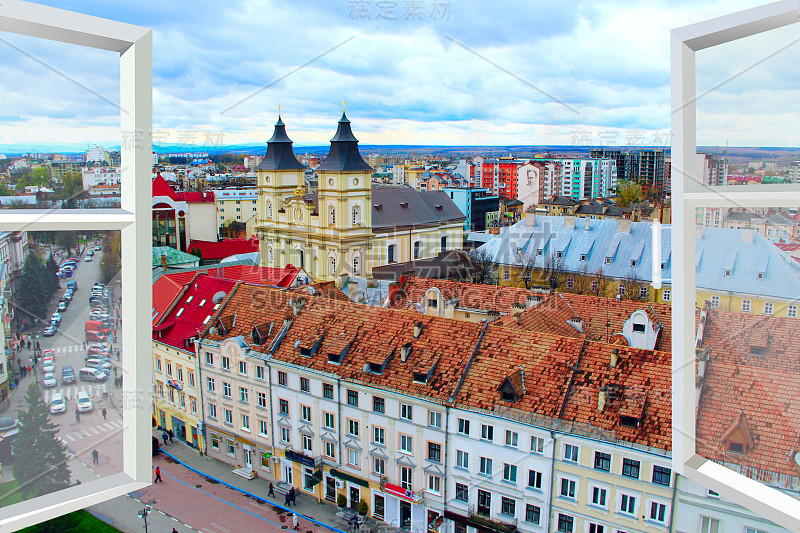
(571, 453)
(627, 504)
(305, 385)
(534, 479)
(283, 378)
(229, 445)
(261, 398)
(352, 428)
(169, 369)
(212, 411)
(378, 404)
(329, 420)
(245, 422)
(508, 506)
(210, 382)
(215, 441)
(486, 466)
(330, 450)
(434, 419)
(243, 368)
(353, 458)
(352, 398)
(506, 274)
(537, 445)
(666, 295)
(463, 426)
(594, 285)
(434, 483)
(283, 407)
(179, 372)
(307, 443)
(192, 405)
(602, 461)
(567, 488)
(752, 530)
(158, 364)
(378, 435)
(327, 391)
(243, 394)
(599, 496)
(262, 428)
(509, 473)
(711, 525)
(226, 389)
(379, 466)
(434, 452)
(745, 306)
(630, 468)
(596, 528)
(533, 514)
(769, 307)
(658, 512)
(260, 372)
(209, 359)
(228, 416)
(566, 523)
(462, 459)
(715, 301)
(380, 507)
(285, 435)
(305, 413)
(406, 477)
(405, 411)
(265, 459)
(226, 363)
(487, 432)
(511, 438)
(661, 475)
(462, 492)
(406, 444)
(190, 375)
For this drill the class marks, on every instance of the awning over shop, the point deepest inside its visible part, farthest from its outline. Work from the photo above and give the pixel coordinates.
(348, 477)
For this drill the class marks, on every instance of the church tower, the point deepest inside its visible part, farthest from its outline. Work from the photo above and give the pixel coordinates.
(279, 175)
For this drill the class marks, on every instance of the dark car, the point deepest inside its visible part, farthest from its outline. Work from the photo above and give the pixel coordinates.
(156, 446)
(67, 375)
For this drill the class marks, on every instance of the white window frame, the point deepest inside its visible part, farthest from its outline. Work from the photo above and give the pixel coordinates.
(134, 44)
(688, 194)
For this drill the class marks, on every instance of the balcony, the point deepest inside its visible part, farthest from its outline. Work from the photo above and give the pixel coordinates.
(480, 519)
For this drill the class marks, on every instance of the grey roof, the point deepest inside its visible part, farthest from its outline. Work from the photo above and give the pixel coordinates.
(745, 217)
(559, 200)
(405, 206)
(740, 216)
(280, 155)
(344, 155)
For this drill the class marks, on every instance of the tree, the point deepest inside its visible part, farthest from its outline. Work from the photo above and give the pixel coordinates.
(72, 189)
(111, 263)
(36, 289)
(4, 190)
(68, 523)
(40, 176)
(628, 192)
(67, 239)
(52, 269)
(583, 281)
(555, 273)
(40, 459)
(488, 270)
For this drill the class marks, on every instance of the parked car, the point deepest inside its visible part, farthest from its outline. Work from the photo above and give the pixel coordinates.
(67, 375)
(49, 331)
(98, 248)
(90, 253)
(88, 259)
(62, 306)
(97, 284)
(98, 349)
(66, 272)
(68, 296)
(48, 366)
(50, 379)
(56, 317)
(103, 364)
(84, 402)
(73, 285)
(92, 374)
(57, 403)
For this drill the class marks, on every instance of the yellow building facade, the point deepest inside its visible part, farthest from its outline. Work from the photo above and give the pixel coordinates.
(177, 394)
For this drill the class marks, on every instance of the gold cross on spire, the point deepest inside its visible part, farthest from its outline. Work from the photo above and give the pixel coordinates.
(343, 105)
(279, 109)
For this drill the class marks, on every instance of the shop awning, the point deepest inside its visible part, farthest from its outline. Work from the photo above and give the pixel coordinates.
(348, 477)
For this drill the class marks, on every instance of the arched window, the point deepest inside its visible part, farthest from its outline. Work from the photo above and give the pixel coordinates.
(269, 210)
(301, 259)
(333, 266)
(444, 243)
(390, 252)
(356, 266)
(271, 255)
(356, 215)
(416, 250)
(332, 216)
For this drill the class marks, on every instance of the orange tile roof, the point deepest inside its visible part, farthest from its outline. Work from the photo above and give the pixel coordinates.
(602, 317)
(758, 391)
(502, 299)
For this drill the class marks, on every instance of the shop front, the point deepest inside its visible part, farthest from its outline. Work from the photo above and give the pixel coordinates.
(352, 488)
(304, 470)
(405, 508)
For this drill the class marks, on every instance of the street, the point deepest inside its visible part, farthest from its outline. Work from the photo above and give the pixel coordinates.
(92, 431)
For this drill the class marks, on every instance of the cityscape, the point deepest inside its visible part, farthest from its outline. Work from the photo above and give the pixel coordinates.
(413, 270)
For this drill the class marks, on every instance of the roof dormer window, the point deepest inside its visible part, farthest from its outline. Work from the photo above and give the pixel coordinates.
(760, 275)
(727, 273)
(736, 447)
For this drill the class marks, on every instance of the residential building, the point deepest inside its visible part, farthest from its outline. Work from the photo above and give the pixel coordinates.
(650, 170)
(180, 217)
(98, 154)
(626, 162)
(474, 203)
(237, 205)
(537, 181)
(776, 227)
(102, 175)
(451, 264)
(794, 172)
(216, 251)
(168, 257)
(714, 169)
(59, 169)
(346, 227)
(178, 390)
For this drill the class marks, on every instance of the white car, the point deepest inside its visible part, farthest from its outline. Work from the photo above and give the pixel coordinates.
(88, 259)
(48, 367)
(55, 317)
(50, 379)
(84, 402)
(57, 403)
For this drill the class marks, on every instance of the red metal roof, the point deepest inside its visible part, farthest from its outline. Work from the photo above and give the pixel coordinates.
(220, 250)
(191, 312)
(162, 188)
(165, 290)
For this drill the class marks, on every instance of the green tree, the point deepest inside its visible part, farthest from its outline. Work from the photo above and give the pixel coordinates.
(68, 523)
(36, 289)
(40, 176)
(67, 239)
(40, 459)
(628, 192)
(110, 264)
(4, 190)
(52, 270)
(72, 189)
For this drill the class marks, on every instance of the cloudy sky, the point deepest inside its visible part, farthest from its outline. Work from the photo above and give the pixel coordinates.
(443, 72)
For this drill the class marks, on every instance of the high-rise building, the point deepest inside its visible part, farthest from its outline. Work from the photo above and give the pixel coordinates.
(651, 170)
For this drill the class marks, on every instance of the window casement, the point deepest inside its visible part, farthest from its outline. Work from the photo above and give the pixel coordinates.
(567, 488)
(627, 504)
(602, 461)
(571, 453)
(537, 444)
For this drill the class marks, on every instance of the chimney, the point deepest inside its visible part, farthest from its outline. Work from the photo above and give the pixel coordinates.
(417, 329)
(698, 232)
(405, 352)
(297, 305)
(287, 322)
(623, 226)
(530, 219)
(614, 358)
(601, 399)
(569, 223)
(163, 260)
(746, 235)
(588, 223)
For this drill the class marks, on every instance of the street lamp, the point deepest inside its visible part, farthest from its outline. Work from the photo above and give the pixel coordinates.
(143, 513)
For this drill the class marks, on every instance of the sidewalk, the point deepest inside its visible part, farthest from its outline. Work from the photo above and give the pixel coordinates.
(324, 513)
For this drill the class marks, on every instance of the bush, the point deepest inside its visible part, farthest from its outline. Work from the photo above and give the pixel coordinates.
(363, 508)
(341, 501)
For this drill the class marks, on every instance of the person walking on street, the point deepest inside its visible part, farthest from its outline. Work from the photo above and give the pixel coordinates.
(171, 435)
(165, 436)
(95, 457)
(77, 415)
(271, 490)
(294, 521)
(287, 500)
(29, 344)
(104, 413)
(158, 475)
(293, 496)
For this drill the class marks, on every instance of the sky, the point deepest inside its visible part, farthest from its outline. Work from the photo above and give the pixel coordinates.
(420, 72)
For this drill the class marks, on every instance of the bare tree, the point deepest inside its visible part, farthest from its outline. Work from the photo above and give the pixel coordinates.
(583, 280)
(488, 269)
(555, 274)
(600, 281)
(632, 284)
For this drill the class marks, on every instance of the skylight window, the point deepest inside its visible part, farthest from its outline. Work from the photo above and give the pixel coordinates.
(216, 306)
(180, 312)
(202, 302)
(189, 299)
(207, 319)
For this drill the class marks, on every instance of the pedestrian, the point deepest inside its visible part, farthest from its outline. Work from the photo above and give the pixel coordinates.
(271, 490)
(165, 436)
(294, 521)
(174, 530)
(171, 435)
(104, 413)
(95, 457)
(77, 415)
(353, 524)
(38, 346)
(293, 496)
(29, 344)
(287, 500)
(158, 475)
(30, 369)
(117, 356)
